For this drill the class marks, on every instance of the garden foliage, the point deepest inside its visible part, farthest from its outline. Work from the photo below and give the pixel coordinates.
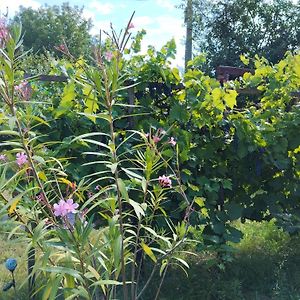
(109, 171)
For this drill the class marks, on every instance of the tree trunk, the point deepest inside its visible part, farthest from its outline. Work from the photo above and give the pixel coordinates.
(189, 31)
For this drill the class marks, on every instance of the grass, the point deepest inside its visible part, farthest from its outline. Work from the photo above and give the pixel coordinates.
(264, 266)
(16, 250)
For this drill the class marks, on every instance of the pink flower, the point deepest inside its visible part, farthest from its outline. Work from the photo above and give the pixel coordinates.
(161, 131)
(172, 141)
(97, 188)
(61, 48)
(40, 198)
(3, 31)
(156, 139)
(62, 208)
(21, 86)
(21, 158)
(24, 89)
(131, 25)
(3, 157)
(71, 206)
(165, 181)
(108, 56)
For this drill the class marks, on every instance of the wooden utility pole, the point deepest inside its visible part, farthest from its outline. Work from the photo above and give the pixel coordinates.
(189, 31)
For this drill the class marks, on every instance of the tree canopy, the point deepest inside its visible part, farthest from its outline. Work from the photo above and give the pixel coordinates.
(49, 26)
(225, 29)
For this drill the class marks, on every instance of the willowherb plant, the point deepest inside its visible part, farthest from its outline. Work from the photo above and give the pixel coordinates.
(135, 175)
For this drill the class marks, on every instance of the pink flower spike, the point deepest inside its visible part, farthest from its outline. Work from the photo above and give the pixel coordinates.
(3, 157)
(131, 25)
(156, 139)
(165, 181)
(21, 158)
(172, 141)
(108, 56)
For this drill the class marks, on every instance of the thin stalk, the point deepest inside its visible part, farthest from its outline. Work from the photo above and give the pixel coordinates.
(14, 283)
(114, 156)
(187, 220)
(31, 163)
(138, 275)
(81, 260)
(147, 282)
(134, 286)
(161, 282)
(116, 177)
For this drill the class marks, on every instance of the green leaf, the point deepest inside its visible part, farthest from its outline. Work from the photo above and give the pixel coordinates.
(39, 159)
(66, 102)
(200, 201)
(244, 60)
(113, 167)
(40, 120)
(132, 174)
(11, 123)
(175, 73)
(230, 98)
(62, 270)
(148, 251)
(91, 102)
(122, 189)
(234, 210)
(137, 208)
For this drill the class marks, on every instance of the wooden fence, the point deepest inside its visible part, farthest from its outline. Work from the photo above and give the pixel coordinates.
(223, 74)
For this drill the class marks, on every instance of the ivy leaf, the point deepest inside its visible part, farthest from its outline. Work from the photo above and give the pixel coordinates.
(178, 113)
(90, 102)
(200, 201)
(230, 98)
(217, 99)
(234, 210)
(66, 102)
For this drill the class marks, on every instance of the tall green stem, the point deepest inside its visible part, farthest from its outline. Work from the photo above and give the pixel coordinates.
(109, 103)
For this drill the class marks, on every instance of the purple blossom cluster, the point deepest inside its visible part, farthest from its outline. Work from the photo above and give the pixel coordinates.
(63, 208)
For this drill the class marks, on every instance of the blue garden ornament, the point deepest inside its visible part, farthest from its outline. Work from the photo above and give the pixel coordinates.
(11, 264)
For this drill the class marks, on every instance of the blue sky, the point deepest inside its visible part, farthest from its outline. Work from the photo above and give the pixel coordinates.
(160, 18)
